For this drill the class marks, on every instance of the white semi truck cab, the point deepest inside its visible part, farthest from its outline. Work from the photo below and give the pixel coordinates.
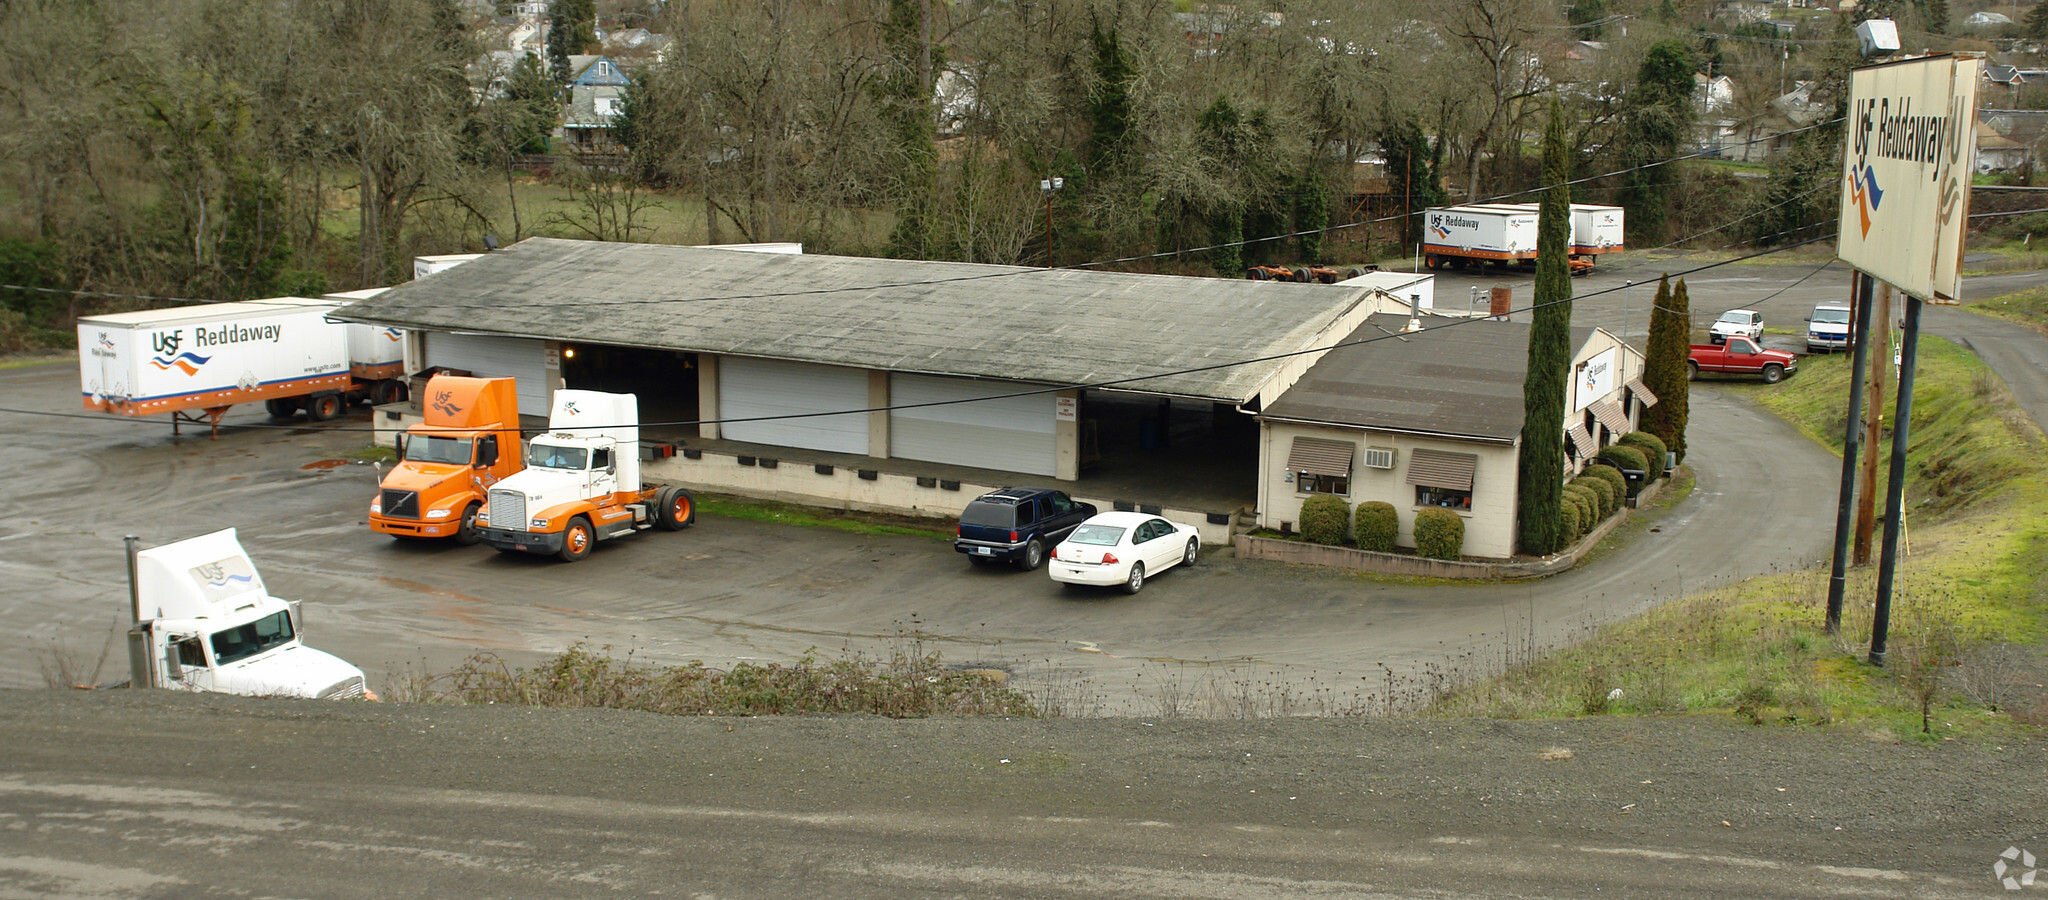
(581, 483)
(204, 621)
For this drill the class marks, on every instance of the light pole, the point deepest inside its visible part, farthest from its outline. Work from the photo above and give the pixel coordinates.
(1048, 185)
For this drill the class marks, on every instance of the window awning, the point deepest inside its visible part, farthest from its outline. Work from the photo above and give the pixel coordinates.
(1583, 440)
(1437, 469)
(1319, 456)
(1609, 413)
(1642, 392)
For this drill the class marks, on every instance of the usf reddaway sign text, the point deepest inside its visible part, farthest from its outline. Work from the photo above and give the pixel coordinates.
(1906, 171)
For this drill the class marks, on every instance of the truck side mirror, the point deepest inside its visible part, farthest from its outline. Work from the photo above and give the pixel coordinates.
(487, 451)
(398, 442)
(298, 624)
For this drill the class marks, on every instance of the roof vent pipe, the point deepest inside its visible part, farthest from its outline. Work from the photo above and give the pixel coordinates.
(1414, 313)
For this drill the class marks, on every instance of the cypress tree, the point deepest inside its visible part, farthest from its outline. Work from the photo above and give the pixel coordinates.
(1664, 365)
(1541, 470)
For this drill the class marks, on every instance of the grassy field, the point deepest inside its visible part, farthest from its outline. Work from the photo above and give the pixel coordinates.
(1965, 650)
(2027, 307)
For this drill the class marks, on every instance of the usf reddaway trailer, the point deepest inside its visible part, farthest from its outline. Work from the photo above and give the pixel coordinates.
(196, 360)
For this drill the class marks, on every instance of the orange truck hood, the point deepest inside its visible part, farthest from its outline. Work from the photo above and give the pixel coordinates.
(421, 476)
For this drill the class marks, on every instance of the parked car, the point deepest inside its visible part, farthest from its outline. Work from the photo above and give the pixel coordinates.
(1740, 356)
(1827, 328)
(1122, 548)
(1746, 322)
(1017, 524)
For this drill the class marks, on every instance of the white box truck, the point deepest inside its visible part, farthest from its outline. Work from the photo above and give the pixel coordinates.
(190, 360)
(581, 483)
(204, 621)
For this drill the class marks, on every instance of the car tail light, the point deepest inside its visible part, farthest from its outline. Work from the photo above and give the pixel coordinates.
(1109, 559)
(1013, 537)
(1055, 553)
(958, 531)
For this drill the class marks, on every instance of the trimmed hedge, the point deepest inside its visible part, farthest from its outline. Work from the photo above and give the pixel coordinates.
(1603, 491)
(1439, 533)
(1573, 528)
(1377, 525)
(1623, 456)
(1325, 519)
(1653, 449)
(1588, 504)
(1612, 476)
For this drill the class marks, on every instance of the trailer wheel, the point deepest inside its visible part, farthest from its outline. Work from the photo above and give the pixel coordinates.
(324, 407)
(465, 533)
(577, 540)
(1256, 274)
(1354, 272)
(281, 407)
(387, 392)
(674, 509)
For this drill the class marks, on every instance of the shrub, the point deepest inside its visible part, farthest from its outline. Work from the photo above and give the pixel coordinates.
(1653, 450)
(1325, 519)
(1574, 528)
(1376, 526)
(1439, 533)
(1623, 456)
(1603, 491)
(1589, 505)
(1612, 476)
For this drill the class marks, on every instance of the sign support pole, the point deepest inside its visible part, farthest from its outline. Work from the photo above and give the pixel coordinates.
(1851, 446)
(1895, 492)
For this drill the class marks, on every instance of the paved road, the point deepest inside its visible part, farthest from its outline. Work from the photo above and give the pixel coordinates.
(117, 795)
(1220, 636)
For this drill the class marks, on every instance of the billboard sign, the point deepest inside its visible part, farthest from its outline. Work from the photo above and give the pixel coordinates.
(1906, 172)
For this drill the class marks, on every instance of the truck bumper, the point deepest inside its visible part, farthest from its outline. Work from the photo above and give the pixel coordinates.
(414, 527)
(529, 541)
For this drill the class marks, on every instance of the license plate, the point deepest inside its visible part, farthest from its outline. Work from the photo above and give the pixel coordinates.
(984, 551)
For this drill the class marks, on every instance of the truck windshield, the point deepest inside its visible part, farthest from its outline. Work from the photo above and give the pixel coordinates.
(1831, 316)
(546, 456)
(251, 638)
(436, 449)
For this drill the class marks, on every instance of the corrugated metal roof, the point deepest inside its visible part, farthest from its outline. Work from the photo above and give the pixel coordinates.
(1456, 377)
(1438, 469)
(1319, 456)
(1642, 391)
(1609, 413)
(1056, 326)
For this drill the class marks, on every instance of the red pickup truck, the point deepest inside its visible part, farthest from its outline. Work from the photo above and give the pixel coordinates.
(1740, 356)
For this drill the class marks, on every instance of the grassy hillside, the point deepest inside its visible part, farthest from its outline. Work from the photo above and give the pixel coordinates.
(1967, 623)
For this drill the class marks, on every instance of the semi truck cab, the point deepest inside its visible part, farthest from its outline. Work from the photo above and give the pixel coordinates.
(468, 442)
(581, 483)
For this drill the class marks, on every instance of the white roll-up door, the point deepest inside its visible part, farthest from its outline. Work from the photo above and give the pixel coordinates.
(1010, 434)
(749, 387)
(522, 359)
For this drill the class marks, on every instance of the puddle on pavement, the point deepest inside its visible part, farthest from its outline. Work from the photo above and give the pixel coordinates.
(325, 464)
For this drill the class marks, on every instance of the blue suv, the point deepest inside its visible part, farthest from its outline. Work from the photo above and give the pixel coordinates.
(1017, 524)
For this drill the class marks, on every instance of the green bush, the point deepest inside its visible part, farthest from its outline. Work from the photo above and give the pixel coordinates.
(1377, 524)
(1325, 519)
(1603, 491)
(1439, 533)
(1587, 502)
(1573, 527)
(1612, 476)
(1623, 456)
(1653, 450)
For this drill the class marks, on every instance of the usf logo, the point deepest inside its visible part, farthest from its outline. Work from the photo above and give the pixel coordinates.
(444, 403)
(167, 357)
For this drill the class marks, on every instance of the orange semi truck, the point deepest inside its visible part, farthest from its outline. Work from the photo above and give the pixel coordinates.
(447, 464)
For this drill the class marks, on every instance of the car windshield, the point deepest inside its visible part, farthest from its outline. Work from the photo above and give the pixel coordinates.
(1735, 318)
(548, 456)
(1104, 535)
(435, 449)
(1831, 316)
(989, 515)
(251, 638)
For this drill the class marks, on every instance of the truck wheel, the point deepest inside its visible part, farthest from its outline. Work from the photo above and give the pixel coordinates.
(1034, 555)
(674, 509)
(324, 407)
(281, 407)
(1429, 261)
(465, 533)
(386, 392)
(1354, 272)
(1692, 370)
(577, 540)
(1774, 373)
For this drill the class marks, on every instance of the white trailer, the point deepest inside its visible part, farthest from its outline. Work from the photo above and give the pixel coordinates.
(204, 621)
(204, 359)
(1491, 232)
(1596, 229)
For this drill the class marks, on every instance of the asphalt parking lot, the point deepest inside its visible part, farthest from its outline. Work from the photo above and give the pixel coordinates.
(1289, 639)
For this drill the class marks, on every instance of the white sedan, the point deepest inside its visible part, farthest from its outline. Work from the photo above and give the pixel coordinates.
(1122, 548)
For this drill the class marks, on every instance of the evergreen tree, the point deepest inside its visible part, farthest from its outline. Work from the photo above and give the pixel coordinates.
(2036, 22)
(1664, 365)
(1655, 126)
(906, 93)
(1110, 107)
(1541, 472)
(1411, 171)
